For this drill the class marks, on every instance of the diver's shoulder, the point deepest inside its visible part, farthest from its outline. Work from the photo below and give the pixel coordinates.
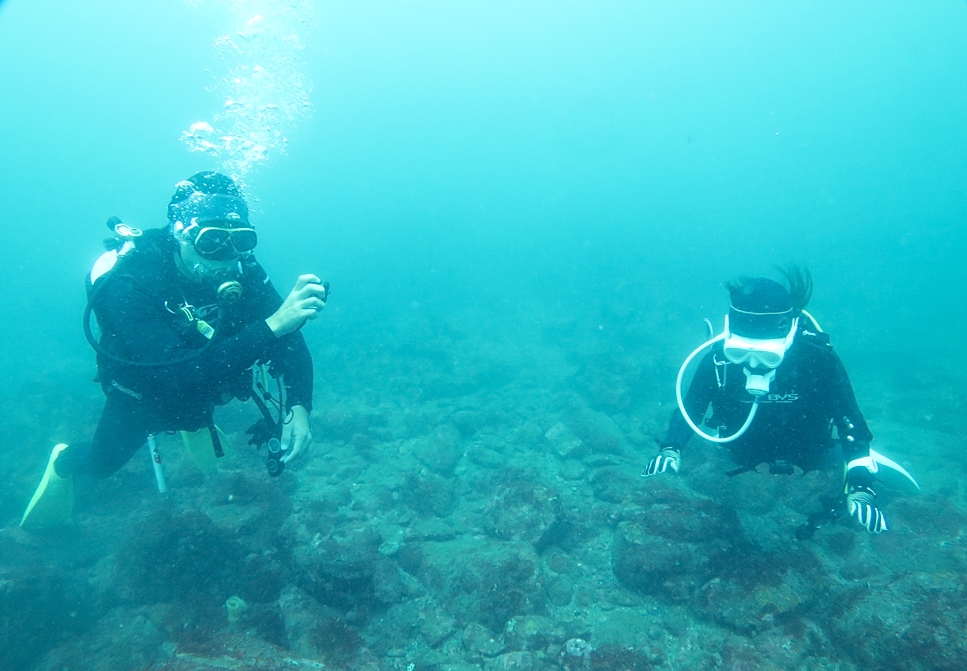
(814, 340)
(153, 246)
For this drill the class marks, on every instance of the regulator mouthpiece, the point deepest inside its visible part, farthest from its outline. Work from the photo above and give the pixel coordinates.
(229, 292)
(758, 385)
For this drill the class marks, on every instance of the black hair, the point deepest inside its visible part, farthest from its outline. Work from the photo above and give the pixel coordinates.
(800, 283)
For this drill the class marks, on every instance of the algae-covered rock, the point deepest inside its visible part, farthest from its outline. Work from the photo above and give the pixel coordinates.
(692, 551)
(575, 655)
(596, 430)
(914, 622)
(349, 577)
(440, 450)
(534, 632)
(318, 632)
(428, 494)
(559, 590)
(666, 549)
(516, 661)
(620, 658)
(436, 626)
(486, 458)
(478, 580)
(479, 640)
(572, 469)
(529, 434)
(519, 510)
(564, 443)
(616, 485)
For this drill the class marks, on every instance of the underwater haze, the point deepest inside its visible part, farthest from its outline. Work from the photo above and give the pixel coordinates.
(525, 211)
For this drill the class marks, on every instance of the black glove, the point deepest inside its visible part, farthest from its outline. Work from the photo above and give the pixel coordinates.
(669, 457)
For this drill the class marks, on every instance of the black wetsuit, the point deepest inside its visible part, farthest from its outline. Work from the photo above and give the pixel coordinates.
(810, 395)
(137, 305)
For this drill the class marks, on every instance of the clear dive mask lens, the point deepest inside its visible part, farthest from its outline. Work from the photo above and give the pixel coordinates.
(768, 353)
(223, 244)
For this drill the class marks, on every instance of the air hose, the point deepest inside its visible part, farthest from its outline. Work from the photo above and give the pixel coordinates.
(681, 403)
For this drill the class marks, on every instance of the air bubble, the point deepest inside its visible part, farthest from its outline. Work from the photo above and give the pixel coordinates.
(261, 82)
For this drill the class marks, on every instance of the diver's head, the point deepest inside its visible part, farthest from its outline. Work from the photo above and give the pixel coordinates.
(208, 214)
(761, 324)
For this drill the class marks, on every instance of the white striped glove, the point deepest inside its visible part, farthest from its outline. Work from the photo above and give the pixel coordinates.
(669, 457)
(861, 502)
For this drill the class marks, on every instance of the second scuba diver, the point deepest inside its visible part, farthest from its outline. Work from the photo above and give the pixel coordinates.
(777, 392)
(185, 313)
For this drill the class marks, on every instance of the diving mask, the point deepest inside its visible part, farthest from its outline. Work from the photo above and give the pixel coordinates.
(766, 352)
(221, 243)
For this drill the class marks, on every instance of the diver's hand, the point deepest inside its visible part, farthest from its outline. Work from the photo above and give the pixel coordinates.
(669, 457)
(861, 502)
(304, 302)
(296, 435)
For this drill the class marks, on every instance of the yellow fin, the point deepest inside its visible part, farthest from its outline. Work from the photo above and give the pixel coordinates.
(201, 450)
(53, 502)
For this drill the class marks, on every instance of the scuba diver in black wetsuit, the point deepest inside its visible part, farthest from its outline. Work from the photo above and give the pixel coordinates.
(186, 313)
(777, 392)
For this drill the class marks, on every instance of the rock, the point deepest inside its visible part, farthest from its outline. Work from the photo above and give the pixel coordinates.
(436, 626)
(40, 607)
(485, 458)
(349, 577)
(564, 443)
(392, 536)
(441, 450)
(123, 639)
(572, 469)
(596, 430)
(561, 531)
(533, 632)
(305, 618)
(620, 658)
(665, 550)
(692, 550)
(432, 529)
(575, 655)
(428, 494)
(559, 591)
(479, 640)
(602, 459)
(467, 422)
(529, 433)
(909, 623)
(516, 661)
(616, 485)
(478, 580)
(520, 510)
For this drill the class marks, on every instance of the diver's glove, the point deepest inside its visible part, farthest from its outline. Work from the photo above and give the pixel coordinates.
(669, 457)
(861, 502)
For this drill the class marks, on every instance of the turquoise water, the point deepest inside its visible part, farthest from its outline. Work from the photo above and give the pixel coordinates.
(525, 211)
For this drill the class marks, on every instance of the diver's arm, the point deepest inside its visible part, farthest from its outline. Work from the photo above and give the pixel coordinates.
(854, 433)
(697, 399)
(289, 353)
(696, 402)
(855, 437)
(293, 361)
